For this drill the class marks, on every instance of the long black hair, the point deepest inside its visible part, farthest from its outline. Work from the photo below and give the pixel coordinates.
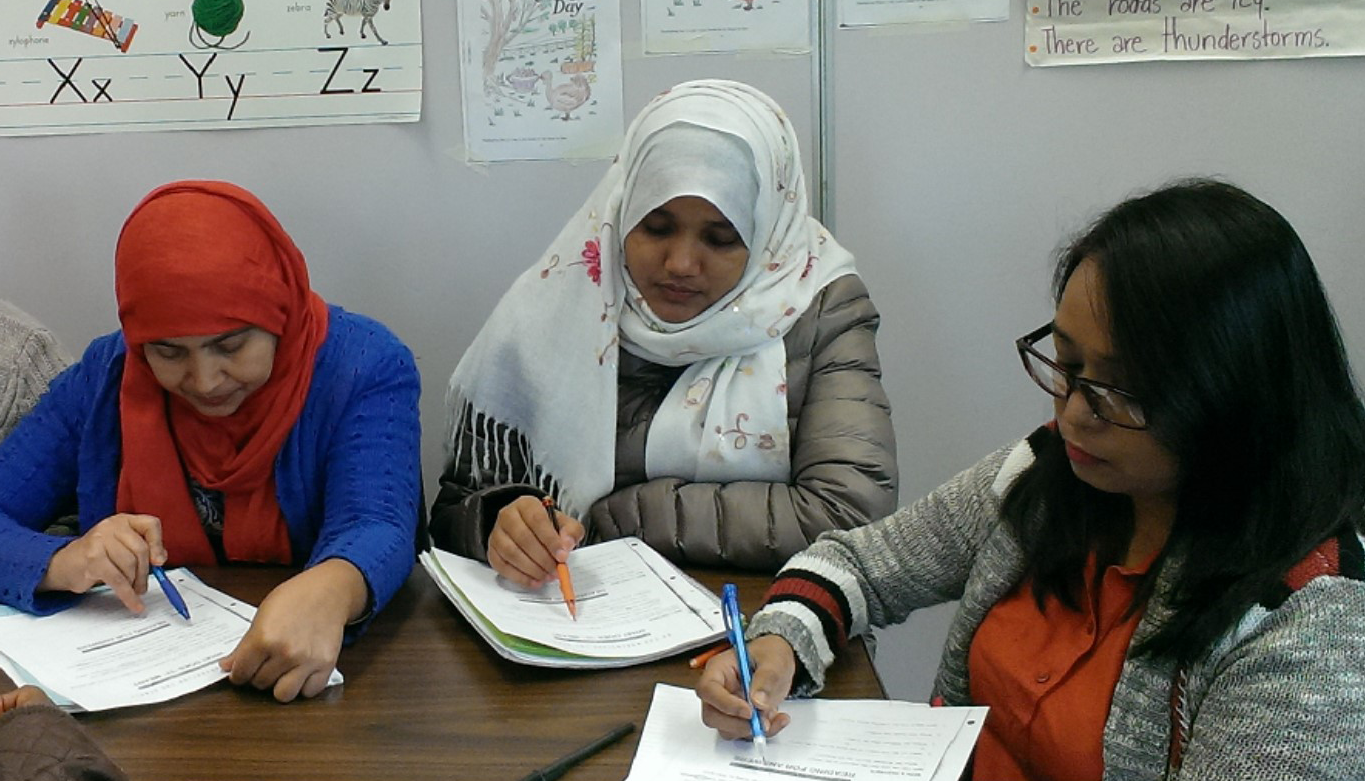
(1224, 332)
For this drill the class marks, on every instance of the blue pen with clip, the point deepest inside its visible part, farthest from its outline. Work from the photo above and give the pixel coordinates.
(729, 599)
(171, 592)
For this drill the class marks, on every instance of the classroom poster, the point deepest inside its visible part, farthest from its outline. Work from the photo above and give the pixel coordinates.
(182, 65)
(862, 13)
(541, 79)
(686, 26)
(1084, 32)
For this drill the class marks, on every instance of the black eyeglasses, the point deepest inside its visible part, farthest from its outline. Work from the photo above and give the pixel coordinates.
(1107, 402)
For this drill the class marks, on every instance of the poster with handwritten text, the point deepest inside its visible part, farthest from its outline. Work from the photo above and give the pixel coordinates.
(541, 79)
(863, 13)
(81, 66)
(1083, 32)
(685, 26)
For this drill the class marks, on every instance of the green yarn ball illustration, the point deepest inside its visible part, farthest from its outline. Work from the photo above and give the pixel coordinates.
(218, 19)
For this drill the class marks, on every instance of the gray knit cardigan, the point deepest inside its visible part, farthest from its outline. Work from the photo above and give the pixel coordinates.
(30, 358)
(1281, 697)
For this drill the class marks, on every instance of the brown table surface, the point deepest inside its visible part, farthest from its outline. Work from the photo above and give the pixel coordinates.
(424, 697)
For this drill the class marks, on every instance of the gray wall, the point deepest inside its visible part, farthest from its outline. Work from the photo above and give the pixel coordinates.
(956, 170)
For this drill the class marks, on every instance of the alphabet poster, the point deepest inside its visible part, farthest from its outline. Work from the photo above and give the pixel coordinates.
(858, 13)
(541, 79)
(1082, 32)
(682, 26)
(94, 66)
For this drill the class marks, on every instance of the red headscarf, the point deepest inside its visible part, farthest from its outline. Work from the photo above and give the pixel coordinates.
(196, 259)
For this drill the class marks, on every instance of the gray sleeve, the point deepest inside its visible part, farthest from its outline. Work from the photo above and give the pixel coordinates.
(30, 358)
(1288, 703)
(843, 462)
(917, 557)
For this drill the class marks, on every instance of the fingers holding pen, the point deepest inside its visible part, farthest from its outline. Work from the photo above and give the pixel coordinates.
(525, 546)
(119, 552)
(721, 689)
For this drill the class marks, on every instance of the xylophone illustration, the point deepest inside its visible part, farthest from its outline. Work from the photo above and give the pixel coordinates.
(88, 17)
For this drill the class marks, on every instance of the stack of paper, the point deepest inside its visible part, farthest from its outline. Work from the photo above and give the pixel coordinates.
(827, 740)
(633, 606)
(97, 655)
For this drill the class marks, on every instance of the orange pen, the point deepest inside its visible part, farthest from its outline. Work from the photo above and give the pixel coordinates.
(565, 582)
(702, 658)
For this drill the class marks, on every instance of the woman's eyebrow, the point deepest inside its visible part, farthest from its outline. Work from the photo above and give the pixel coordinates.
(1104, 359)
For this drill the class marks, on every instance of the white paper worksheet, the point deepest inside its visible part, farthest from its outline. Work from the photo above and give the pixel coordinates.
(827, 740)
(631, 602)
(99, 655)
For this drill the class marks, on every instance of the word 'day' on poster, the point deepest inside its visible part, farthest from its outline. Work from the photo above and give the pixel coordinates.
(541, 79)
(682, 26)
(1081, 32)
(86, 66)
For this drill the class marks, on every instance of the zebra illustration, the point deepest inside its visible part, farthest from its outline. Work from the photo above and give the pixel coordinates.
(365, 9)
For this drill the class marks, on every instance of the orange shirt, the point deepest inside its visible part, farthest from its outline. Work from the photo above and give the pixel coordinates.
(1049, 679)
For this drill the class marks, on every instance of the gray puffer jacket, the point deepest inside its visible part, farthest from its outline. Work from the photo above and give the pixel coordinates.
(843, 458)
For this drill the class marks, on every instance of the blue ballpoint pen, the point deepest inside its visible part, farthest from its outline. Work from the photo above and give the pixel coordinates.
(171, 593)
(729, 597)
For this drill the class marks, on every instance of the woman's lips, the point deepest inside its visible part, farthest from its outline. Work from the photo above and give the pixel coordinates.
(213, 401)
(1081, 457)
(677, 294)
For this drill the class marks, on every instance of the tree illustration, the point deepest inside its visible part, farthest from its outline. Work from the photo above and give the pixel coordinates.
(506, 20)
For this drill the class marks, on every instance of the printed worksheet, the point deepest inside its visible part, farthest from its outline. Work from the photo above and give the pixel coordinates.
(84, 66)
(827, 740)
(632, 603)
(686, 26)
(861, 13)
(97, 655)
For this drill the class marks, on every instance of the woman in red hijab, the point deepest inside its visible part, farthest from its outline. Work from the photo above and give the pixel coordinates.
(236, 417)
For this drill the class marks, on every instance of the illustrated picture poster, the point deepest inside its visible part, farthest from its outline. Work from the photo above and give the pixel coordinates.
(687, 26)
(541, 79)
(1086, 32)
(77, 66)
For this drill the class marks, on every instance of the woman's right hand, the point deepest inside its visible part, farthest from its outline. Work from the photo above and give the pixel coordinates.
(524, 546)
(722, 693)
(117, 552)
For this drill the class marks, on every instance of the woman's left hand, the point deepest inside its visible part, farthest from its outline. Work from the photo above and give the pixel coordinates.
(293, 644)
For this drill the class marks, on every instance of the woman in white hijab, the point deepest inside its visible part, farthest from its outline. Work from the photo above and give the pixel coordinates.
(692, 362)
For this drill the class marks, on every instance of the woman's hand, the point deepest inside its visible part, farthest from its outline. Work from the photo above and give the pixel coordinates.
(293, 644)
(722, 694)
(25, 695)
(524, 546)
(117, 552)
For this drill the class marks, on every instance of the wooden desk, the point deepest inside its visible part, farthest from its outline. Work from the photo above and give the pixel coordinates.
(424, 697)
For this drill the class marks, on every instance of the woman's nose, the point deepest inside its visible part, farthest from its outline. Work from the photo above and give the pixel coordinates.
(683, 259)
(1075, 408)
(204, 375)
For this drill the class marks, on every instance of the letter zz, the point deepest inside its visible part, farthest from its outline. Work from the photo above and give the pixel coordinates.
(327, 88)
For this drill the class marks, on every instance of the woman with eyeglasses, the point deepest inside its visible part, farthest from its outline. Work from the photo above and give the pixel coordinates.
(1166, 581)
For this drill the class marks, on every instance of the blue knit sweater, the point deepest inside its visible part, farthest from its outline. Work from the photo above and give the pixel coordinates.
(347, 478)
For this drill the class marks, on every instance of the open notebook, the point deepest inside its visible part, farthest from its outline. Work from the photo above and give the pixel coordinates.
(634, 606)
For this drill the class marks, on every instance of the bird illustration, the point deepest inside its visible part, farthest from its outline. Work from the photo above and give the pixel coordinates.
(566, 97)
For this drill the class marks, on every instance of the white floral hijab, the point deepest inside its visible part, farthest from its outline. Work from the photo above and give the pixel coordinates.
(543, 368)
